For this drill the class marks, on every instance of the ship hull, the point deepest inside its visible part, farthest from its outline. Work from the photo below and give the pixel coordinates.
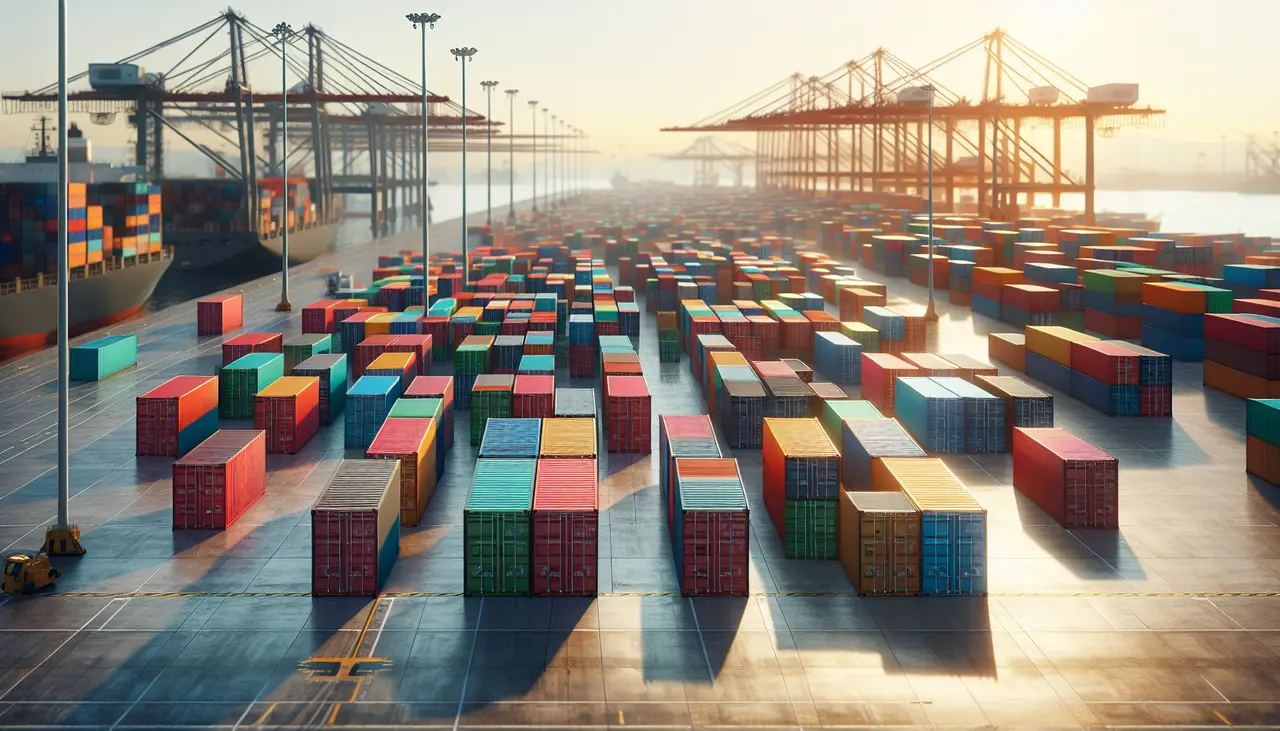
(29, 318)
(246, 253)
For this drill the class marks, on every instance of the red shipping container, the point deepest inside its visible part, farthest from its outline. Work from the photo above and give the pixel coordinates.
(1270, 308)
(767, 330)
(368, 350)
(880, 374)
(320, 317)
(289, 411)
(533, 397)
(1032, 297)
(355, 529)
(413, 443)
(582, 361)
(715, 544)
(1073, 481)
(1121, 328)
(164, 411)
(1155, 400)
(419, 345)
(219, 314)
(215, 483)
(440, 387)
(246, 343)
(629, 414)
(1244, 331)
(566, 521)
(1106, 362)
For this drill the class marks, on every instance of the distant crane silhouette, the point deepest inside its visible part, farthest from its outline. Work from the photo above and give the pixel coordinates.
(709, 154)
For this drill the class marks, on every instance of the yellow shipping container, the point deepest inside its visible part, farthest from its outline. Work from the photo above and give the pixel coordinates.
(380, 324)
(928, 481)
(799, 437)
(568, 438)
(288, 386)
(1054, 342)
(727, 357)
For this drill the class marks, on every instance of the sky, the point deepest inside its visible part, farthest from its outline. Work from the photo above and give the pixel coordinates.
(621, 69)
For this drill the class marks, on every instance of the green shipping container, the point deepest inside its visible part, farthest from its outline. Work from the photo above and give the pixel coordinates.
(100, 358)
(485, 405)
(811, 529)
(1262, 420)
(301, 347)
(241, 381)
(471, 358)
(415, 408)
(835, 412)
(497, 528)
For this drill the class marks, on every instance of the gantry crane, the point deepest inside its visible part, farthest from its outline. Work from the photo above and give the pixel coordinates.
(709, 154)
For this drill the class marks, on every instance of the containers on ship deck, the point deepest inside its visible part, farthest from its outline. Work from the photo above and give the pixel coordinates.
(174, 417)
(879, 543)
(289, 411)
(240, 382)
(953, 526)
(710, 528)
(566, 525)
(217, 481)
(97, 359)
(331, 370)
(219, 314)
(411, 442)
(355, 529)
(865, 442)
(496, 526)
(1073, 481)
(801, 483)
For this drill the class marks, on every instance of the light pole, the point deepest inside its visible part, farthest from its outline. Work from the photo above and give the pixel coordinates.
(424, 21)
(552, 154)
(546, 172)
(464, 54)
(930, 313)
(560, 165)
(488, 153)
(284, 33)
(533, 107)
(511, 158)
(63, 538)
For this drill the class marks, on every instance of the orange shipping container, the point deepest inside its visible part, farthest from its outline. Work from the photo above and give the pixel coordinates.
(1008, 348)
(1174, 297)
(1262, 459)
(1237, 383)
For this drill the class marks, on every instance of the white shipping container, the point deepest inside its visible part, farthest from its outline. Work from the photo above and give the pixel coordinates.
(1044, 95)
(1118, 95)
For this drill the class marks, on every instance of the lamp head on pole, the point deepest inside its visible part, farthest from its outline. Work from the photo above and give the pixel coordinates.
(462, 53)
(427, 19)
(488, 85)
(512, 93)
(534, 105)
(282, 31)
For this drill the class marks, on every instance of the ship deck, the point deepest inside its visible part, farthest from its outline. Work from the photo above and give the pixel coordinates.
(1172, 620)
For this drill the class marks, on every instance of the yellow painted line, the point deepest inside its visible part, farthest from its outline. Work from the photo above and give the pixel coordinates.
(794, 594)
(1222, 718)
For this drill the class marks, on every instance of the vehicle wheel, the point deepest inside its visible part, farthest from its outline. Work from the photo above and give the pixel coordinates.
(54, 574)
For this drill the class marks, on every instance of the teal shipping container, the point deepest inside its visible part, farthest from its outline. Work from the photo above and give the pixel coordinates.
(95, 360)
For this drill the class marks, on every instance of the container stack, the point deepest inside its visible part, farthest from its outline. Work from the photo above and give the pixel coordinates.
(471, 360)
(301, 347)
(1030, 304)
(246, 343)
(1113, 302)
(331, 371)
(682, 437)
(933, 414)
(879, 543)
(289, 411)
(369, 401)
(1073, 481)
(176, 416)
(953, 555)
(1024, 405)
(402, 366)
(1155, 380)
(988, 289)
(1173, 317)
(710, 527)
(628, 414)
(880, 374)
(240, 381)
(862, 334)
(97, 359)
(496, 528)
(566, 525)
(1048, 354)
(801, 484)
(984, 417)
(216, 482)
(1262, 439)
(419, 346)
(355, 529)
(582, 346)
(892, 329)
(864, 442)
(838, 358)
(1242, 355)
(490, 399)
(507, 352)
(1106, 376)
(412, 443)
(219, 314)
(668, 337)
(437, 388)
(369, 350)
(834, 414)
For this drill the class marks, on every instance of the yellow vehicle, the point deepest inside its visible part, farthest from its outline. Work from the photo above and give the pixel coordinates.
(26, 574)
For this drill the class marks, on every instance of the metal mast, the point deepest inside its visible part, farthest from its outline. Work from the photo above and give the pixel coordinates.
(488, 153)
(511, 158)
(424, 21)
(284, 33)
(463, 55)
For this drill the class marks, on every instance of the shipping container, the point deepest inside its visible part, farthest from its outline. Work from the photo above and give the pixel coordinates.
(741, 412)
(568, 438)
(1024, 404)
(953, 526)
(835, 412)
(1008, 348)
(879, 543)
(533, 397)
(355, 529)
(710, 529)
(801, 483)
(496, 527)
(629, 414)
(331, 370)
(575, 403)
(933, 414)
(566, 521)
(880, 374)
(984, 416)
(400, 365)
(288, 410)
(240, 382)
(412, 442)
(490, 399)
(176, 416)
(246, 343)
(301, 347)
(1073, 481)
(219, 314)
(368, 403)
(97, 359)
(682, 437)
(217, 481)
(511, 438)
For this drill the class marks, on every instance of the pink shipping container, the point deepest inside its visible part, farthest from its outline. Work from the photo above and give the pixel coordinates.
(880, 374)
(628, 411)
(413, 443)
(533, 397)
(164, 412)
(565, 528)
(244, 344)
(355, 529)
(215, 483)
(219, 315)
(1073, 481)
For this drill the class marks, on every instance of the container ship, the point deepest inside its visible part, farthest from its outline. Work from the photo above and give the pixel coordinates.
(115, 251)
